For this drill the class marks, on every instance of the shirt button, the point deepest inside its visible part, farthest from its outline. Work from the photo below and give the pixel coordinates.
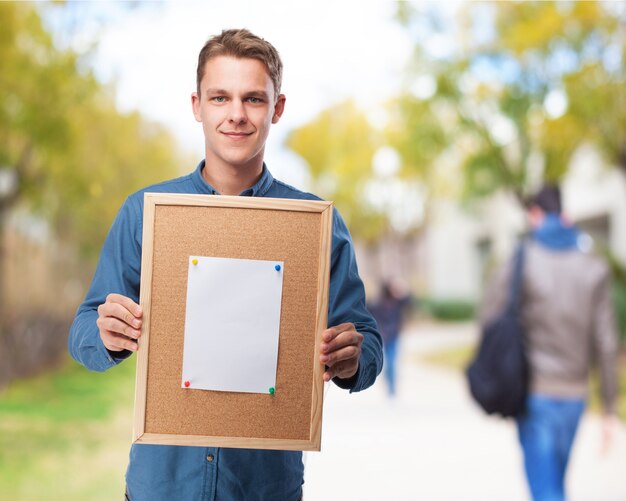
(210, 458)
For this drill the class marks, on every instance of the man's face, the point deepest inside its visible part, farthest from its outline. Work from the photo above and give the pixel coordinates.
(236, 107)
(535, 216)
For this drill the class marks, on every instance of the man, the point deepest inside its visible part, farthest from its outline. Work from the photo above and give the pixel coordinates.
(390, 311)
(569, 319)
(237, 99)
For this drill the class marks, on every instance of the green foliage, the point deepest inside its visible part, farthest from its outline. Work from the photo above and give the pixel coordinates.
(453, 310)
(595, 400)
(416, 133)
(72, 393)
(600, 106)
(619, 299)
(618, 289)
(497, 84)
(65, 435)
(338, 146)
(524, 86)
(76, 157)
(457, 358)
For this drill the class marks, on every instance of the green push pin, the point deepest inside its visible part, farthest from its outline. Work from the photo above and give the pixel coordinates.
(272, 390)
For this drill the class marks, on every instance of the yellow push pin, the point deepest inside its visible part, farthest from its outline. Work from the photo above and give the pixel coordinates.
(194, 261)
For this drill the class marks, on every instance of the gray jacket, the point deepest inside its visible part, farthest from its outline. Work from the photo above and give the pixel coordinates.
(569, 319)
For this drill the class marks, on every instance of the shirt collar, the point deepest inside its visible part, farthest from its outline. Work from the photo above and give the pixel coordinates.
(257, 190)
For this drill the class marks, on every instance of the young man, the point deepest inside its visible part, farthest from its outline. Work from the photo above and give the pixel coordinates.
(569, 320)
(237, 99)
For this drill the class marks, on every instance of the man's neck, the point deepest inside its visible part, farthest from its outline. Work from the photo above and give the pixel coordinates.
(230, 179)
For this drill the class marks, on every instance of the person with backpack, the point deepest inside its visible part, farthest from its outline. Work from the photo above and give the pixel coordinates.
(569, 323)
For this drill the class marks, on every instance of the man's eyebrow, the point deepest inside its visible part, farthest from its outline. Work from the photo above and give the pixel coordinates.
(257, 93)
(216, 91)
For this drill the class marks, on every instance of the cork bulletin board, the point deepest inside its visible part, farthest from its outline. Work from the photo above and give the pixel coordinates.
(295, 232)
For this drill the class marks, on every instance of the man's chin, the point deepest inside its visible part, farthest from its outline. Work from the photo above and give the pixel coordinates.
(240, 163)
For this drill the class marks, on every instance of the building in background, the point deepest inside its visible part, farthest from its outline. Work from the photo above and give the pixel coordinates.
(461, 245)
(449, 259)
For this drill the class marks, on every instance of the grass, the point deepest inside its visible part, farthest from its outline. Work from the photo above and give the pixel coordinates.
(458, 358)
(455, 358)
(66, 435)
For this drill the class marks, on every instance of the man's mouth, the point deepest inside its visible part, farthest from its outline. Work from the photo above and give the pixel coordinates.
(236, 134)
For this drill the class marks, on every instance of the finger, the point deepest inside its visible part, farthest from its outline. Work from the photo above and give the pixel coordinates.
(346, 338)
(341, 370)
(116, 326)
(332, 332)
(117, 342)
(119, 311)
(127, 303)
(350, 352)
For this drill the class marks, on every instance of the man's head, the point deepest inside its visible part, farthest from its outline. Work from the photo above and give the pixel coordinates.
(241, 43)
(237, 101)
(546, 201)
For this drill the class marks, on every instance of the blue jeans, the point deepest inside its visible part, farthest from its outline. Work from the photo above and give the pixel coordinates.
(546, 433)
(389, 364)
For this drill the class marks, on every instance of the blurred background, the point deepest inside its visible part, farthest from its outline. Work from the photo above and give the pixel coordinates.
(426, 123)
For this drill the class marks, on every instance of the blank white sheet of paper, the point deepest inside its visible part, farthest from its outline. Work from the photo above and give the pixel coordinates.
(232, 324)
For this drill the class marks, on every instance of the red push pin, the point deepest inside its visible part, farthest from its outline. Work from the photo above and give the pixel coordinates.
(187, 383)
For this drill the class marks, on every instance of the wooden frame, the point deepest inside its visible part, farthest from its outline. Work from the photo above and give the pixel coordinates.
(297, 232)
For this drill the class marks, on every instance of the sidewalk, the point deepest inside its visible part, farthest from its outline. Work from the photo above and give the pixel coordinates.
(433, 444)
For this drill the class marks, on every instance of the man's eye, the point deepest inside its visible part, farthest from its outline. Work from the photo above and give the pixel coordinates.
(254, 100)
(219, 99)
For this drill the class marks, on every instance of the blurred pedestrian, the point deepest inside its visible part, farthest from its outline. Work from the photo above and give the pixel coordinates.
(569, 319)
(390, 311)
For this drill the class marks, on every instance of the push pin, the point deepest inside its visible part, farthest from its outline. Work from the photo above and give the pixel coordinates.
(277, 267)
(194, 261)
(187, 383)
(272, 391)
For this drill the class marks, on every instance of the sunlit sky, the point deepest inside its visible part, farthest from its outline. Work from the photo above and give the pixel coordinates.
(331, 51)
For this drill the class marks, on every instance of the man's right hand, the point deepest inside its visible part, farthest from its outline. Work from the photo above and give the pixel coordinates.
(610, 425)
(119, 321)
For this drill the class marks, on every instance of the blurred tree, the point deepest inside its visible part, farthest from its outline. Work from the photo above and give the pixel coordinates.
(501, 105)
(415, 130)
(73, 156)
(339, 145)
(527, 84)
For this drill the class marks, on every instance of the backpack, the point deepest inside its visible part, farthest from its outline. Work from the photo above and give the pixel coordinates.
(498, 374)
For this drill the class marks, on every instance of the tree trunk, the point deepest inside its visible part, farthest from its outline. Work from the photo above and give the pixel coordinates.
(3, 259)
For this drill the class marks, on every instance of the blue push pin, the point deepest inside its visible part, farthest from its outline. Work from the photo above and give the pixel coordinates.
(277, 267)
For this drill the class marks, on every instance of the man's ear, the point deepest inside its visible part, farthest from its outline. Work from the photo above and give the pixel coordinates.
(279, 107)
(195, 106)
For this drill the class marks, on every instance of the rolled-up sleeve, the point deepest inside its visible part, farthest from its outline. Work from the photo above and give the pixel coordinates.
(346, 303)
(118, 271)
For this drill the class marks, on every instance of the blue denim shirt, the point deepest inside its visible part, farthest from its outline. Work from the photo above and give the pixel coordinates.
(160, 472)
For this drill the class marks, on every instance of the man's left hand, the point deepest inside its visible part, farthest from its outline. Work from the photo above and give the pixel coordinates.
(340, 351)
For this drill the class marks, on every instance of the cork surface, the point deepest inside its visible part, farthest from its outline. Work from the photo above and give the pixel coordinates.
(278, 235)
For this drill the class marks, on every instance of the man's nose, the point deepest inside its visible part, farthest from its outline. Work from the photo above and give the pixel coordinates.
(237, 112)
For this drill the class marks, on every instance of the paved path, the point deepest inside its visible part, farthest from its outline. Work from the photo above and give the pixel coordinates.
(433, 444)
